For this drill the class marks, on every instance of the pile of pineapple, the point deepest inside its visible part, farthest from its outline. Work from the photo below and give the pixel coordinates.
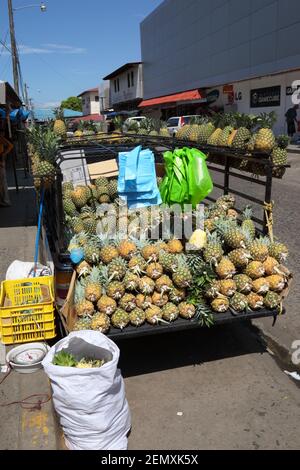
(131, 282)
(249, 271)
(241, 132)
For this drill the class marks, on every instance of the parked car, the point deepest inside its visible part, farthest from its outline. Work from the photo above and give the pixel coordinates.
(136, 119)
(175, 123)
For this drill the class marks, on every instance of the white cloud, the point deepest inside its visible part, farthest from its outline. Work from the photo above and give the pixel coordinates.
(47, 105)
(65, 49)
(48, 49)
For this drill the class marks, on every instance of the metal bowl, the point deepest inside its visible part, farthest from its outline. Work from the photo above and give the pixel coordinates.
(27, 358)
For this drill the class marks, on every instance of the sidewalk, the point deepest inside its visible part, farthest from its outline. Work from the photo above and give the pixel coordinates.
(21, 428)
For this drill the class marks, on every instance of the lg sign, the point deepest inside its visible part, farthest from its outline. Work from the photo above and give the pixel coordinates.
(296, 94)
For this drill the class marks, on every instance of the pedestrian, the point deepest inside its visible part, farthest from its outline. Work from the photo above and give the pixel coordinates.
(5, 149)
(291, 119)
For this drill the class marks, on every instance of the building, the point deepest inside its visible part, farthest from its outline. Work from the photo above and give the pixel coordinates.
(240, 55)
(126, 87)
(90, 102)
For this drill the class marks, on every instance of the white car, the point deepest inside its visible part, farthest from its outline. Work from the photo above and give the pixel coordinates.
(136, 119)
(176, 123)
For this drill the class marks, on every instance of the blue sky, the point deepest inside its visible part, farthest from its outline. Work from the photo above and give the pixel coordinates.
(73, 45)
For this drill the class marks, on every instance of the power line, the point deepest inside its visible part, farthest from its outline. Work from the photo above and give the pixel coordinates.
(4, 43)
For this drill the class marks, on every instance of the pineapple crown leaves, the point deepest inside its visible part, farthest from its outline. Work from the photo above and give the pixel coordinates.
(65, 359)
(247, 213)
(59, 113)
(79, 291)
(267, 120)
(282, 141)
(94, 276)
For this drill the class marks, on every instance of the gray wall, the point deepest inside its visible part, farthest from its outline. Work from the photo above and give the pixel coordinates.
(189, 44)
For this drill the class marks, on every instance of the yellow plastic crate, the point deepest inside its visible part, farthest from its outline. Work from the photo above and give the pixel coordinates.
(29, 311)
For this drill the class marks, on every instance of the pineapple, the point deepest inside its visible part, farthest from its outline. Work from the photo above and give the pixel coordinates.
(271, 266)
(106, 305)
(108, 253)
(120, 319)
(276, 282)
(225, 269)
(131, 281)
(143, 301)
(252, 142)
(150, 253)
(232, 234)
(159, 300)
(182, 277)
(278, 251)
(91, 252)
(176, 295)
(163, 284)
(248, 224)
(241, 138)
(255, 270)
(228, 287)
(265, 140)
(59, 127)
(90, 225)
(93, 288)
(154, 271)
(67, 186)
(115, 290)
(100, 322)
(204, 132)
(137, 265)
(127, 249)
(259, 249)
(224, 137)
(77, 225)
(170, 312)
(83, 269)
(153, 315)
(168, 261)
(232, 214)
(186, 310)
(240, 258)
(255, 301)
(84, 308)
(272, 300)
(102, 181)
(213, 251)
(164, 132)
(83, 323)
(137, 317)
(128, 302)
(239, 302)
(214, 137)
(161, 245)
(45, 175)
(117, 269)
(279, 155)
(226, 202)
(69, 207)
(146, 285)
(243, 283)
(261, 286)
(79, 197)
(220, 305)
(175, 246)
(212, 291)
(113, 189)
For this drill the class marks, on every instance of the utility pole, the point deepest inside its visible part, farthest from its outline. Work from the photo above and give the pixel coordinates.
(14, 52)
(26, 96)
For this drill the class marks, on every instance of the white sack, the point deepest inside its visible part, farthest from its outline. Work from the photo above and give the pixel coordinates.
(23, 270)
(90, 403)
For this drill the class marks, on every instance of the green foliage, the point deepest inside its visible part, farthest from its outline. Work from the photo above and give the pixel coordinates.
(64, 359)
(73, 102)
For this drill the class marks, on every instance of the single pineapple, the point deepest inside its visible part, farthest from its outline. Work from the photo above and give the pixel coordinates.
(170, 312)
(101, 181)
(79, 197)
(115, 290)
(220, 305)
(175, 246)
(214, 137)
(83, 323)
(127, 249)
(241, 138)
(168, 261)
(280, 155)
(240, 258)
(108, 253)
(137, 265)
(150, 253)
(77, 225)
(83, 269)
(117, 269)
(163, 284)
(265, 140)
(212, 290)
(255, 301)
(224, 137)
(153, 315)
(228, 287)
(271, 266)
(248, 224)
(146, 285)
(143, 301)
(213, 251)
(259, 249)
(120, 319)
(107, 305)
(272, 300)
(69, 207)
(131, 281)
(84, 308)
(45, 175)
(113, 189)
(278, 251)
(182, 277)
(252, 142)
(159, 300)
(93, 288)
(176, 295)
(225, 269)
(67, 186)
(205, 131)
(276, 282)
(137, 317)
(154, 271)
(261, 286)
(186, 310)
(226, 202)
(232, 234)
(232, 214)
(128, 302)
(243, 283)
(100, 322)
(91, 252)
(255, 270)
(239, 302)
(59, 127)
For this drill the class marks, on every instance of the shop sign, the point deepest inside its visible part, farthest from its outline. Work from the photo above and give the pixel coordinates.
(265, 97)
(238, 96)
(290, 90)
(227, 89)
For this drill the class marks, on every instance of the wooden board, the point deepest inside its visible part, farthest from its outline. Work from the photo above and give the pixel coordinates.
(107, 168)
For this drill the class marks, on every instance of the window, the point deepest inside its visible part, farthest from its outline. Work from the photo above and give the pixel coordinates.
(83, 101)
(97, 99)
(128, 80)
(132, 78)
(117, 85)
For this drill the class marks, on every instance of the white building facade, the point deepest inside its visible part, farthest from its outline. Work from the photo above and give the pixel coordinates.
(126, 87)
(90, 101)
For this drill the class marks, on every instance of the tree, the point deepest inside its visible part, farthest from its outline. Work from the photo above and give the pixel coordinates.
(73, 103)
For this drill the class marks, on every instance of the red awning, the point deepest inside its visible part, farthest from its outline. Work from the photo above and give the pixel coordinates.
(89, 117)
(193, 95)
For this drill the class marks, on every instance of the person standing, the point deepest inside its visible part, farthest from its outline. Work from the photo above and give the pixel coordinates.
(5, 148)
(291, 119)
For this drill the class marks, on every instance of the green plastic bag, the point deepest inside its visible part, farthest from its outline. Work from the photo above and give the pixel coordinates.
(187, 179)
